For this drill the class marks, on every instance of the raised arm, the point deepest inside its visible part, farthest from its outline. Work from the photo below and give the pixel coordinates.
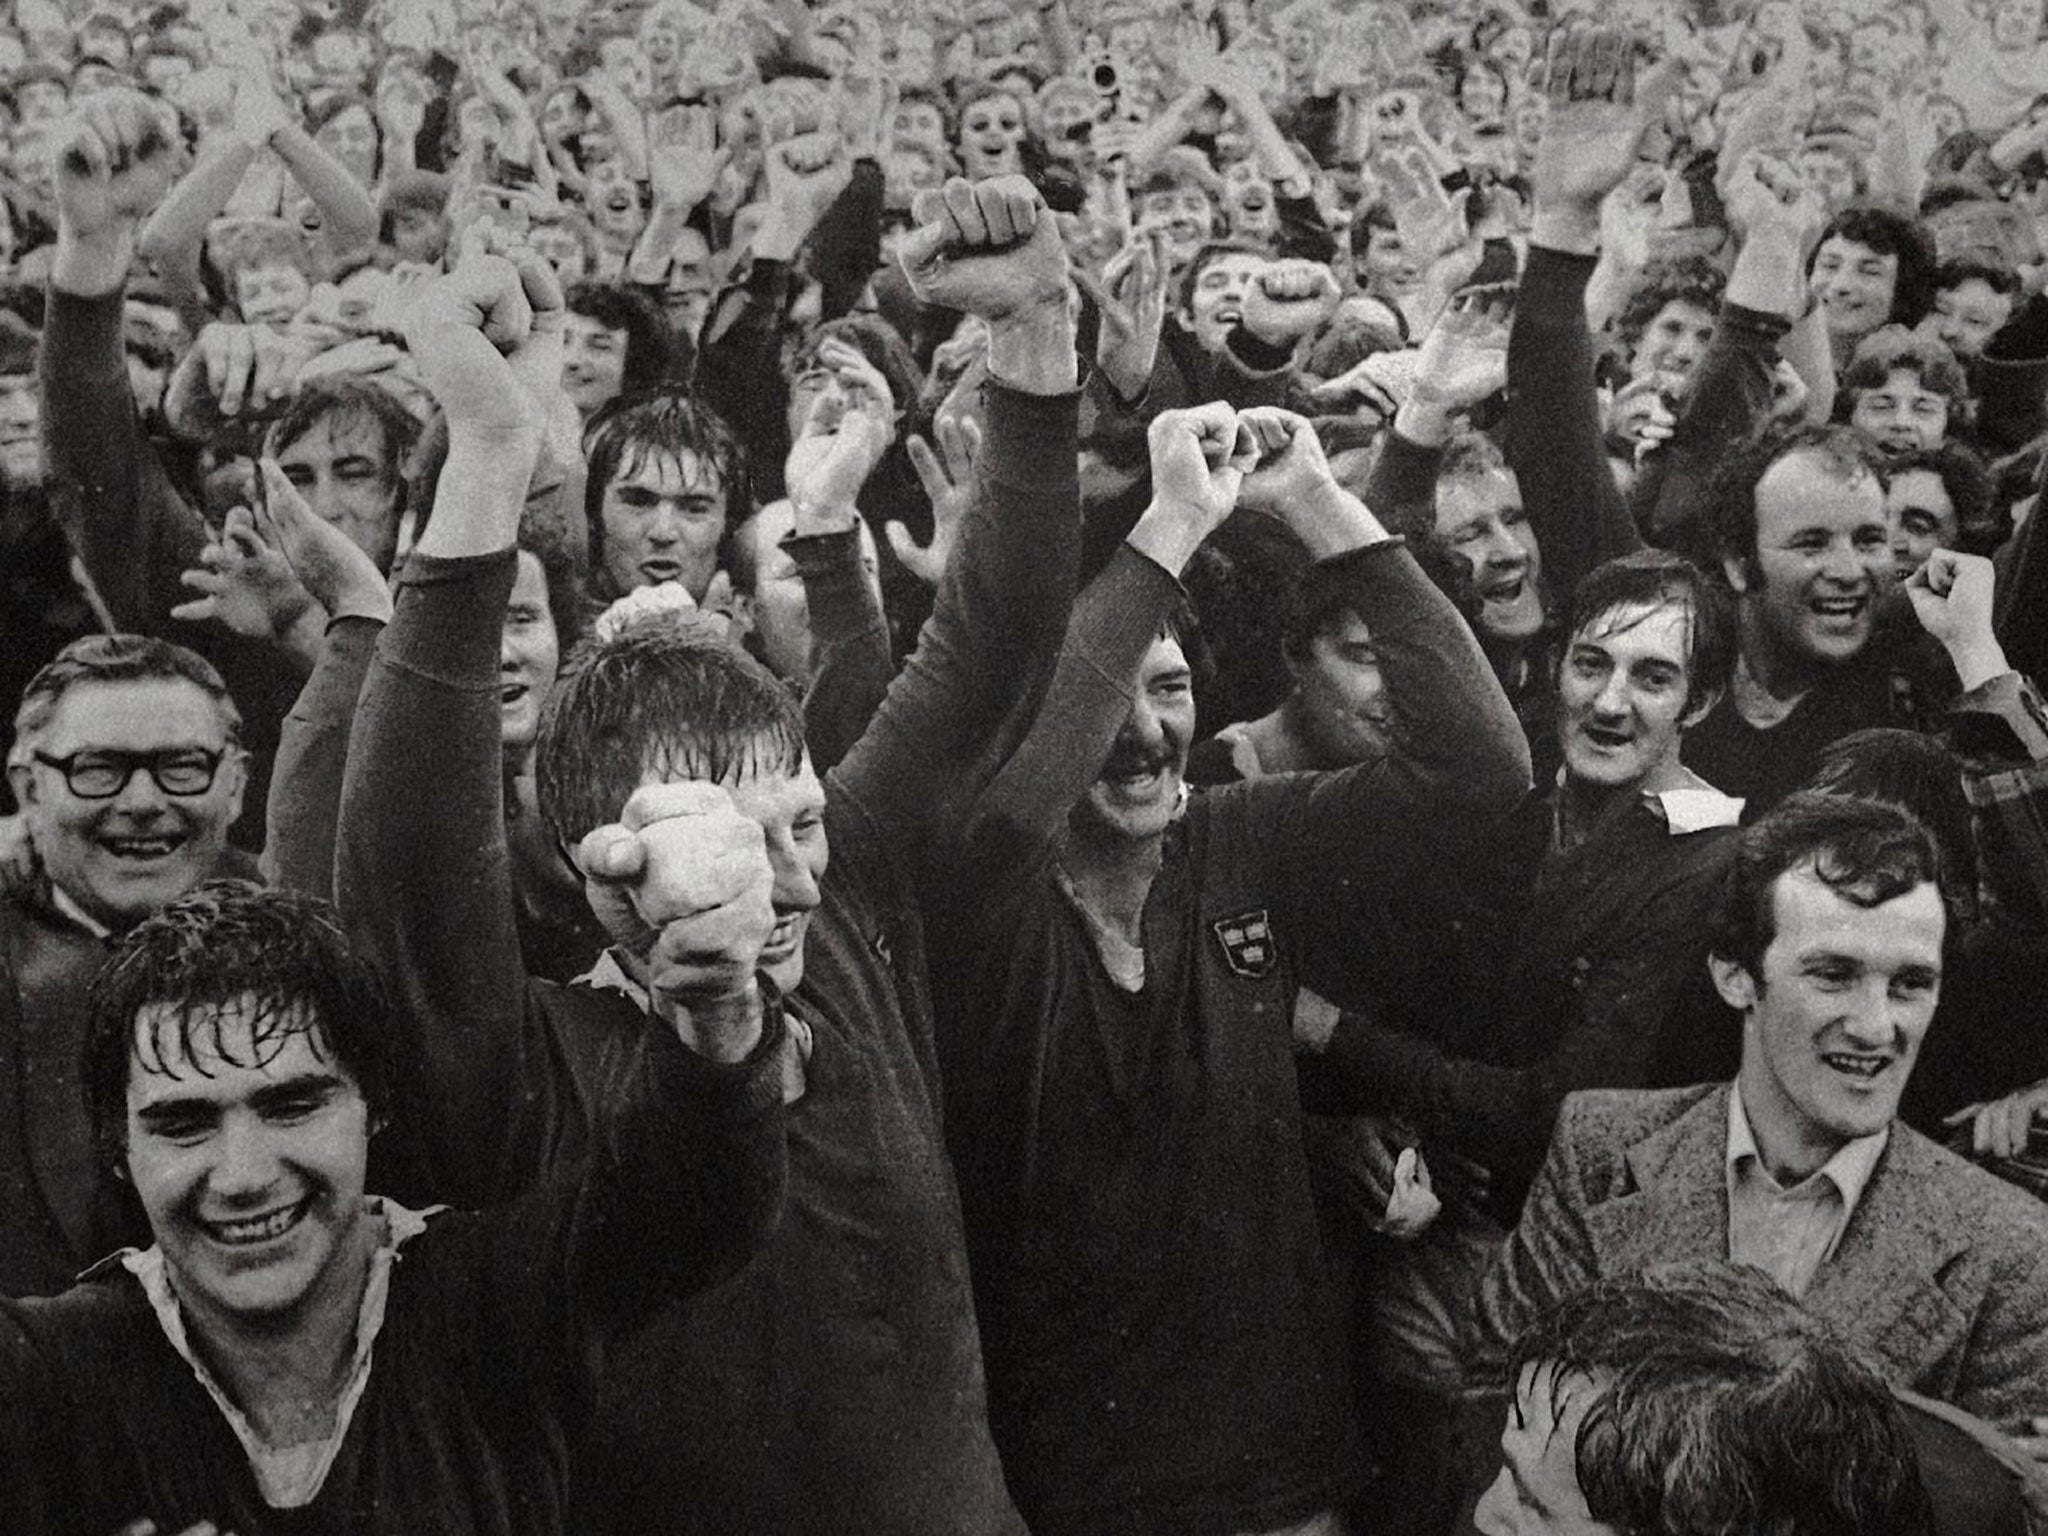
(1198, 463)
(1597, 119)
(423, 876)
(1731, 400)
(175, 235)
(739, 361)
(1457, 759)
(305, 790)
(112, 164)
(991, 249)
(839, 443)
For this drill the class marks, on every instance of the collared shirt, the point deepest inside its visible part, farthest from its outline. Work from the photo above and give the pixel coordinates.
(799, 1041)
(1790, 1233)
(1694, 806)
(290, 1476)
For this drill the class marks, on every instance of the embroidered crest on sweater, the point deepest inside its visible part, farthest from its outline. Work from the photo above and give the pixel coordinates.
(1247, 940)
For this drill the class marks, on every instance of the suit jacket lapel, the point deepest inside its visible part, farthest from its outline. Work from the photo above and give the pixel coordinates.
(1678, 1206)
(1881, 1285)
(50, 960)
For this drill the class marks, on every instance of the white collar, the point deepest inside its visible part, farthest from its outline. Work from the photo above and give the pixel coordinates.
(1849, 1170)
(290, 1477)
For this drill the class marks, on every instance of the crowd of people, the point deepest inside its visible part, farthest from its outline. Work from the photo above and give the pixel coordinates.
(1162, 767)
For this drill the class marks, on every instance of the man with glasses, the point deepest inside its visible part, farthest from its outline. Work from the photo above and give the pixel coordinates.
(129, 769)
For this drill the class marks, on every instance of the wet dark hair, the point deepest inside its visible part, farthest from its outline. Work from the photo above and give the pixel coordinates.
(664, 424)
(1865, 851)
(1919, 774)
(1653, 578)
(1720, 1405)
(669, 697)
(221, 942)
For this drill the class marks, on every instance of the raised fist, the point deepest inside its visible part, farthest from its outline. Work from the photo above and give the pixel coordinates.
(1291, 468)
(1200, 458)
(1289, 300)
(487, 338)
(684, 881)
(990, 248)
(113, 163)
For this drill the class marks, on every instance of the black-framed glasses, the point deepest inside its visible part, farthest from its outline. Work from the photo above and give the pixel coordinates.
(101, 775)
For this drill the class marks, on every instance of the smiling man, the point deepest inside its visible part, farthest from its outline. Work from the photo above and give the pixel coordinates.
(1830, 945)
(128, 767)
(267, 1352)
(1805, 541)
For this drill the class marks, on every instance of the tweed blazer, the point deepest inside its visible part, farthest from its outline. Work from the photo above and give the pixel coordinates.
(1941, 1276)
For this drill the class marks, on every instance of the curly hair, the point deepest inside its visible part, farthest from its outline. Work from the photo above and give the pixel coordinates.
(1686, 280)
(1866, 851)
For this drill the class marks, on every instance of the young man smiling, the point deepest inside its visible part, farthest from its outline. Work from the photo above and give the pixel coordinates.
(268, 1352)
(1806, 543)
(1830, 945)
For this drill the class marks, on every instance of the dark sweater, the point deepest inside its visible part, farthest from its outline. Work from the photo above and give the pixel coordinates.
(484, 1370)
(836, 1384)
(1606, 959)
(1162, 1350)
(1901, 678)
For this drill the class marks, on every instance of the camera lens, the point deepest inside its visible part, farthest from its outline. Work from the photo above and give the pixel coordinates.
(1105, 76)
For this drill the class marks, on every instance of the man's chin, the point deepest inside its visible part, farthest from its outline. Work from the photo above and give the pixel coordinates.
(787, 973)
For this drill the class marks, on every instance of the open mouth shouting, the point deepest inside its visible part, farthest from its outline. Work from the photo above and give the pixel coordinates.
(1605, 738)
(1840, 612)
(1137, 776)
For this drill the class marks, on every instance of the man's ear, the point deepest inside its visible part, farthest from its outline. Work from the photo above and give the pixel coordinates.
(237, 763)
(21, 778)
(1737, 569)
(1700, 709)
(1733, 981)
